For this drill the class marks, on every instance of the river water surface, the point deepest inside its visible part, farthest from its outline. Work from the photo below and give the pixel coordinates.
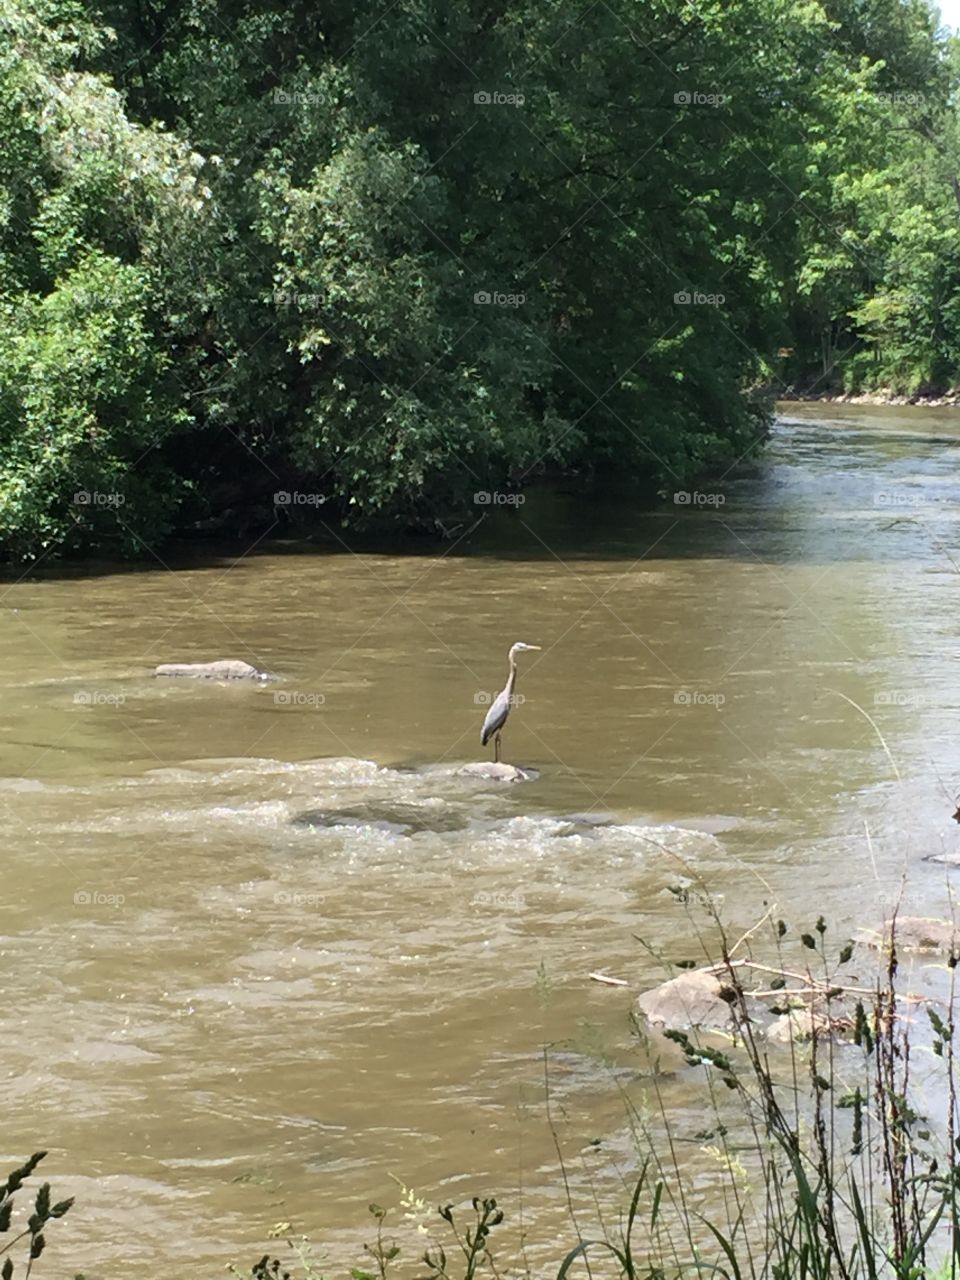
(263, 948)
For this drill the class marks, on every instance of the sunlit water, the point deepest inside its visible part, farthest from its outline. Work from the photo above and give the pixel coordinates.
(263, 947)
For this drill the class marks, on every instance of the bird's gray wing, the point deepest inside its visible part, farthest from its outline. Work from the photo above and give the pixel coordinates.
(495, 718)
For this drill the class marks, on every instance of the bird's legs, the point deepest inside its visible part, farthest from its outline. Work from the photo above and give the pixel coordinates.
(496, 748)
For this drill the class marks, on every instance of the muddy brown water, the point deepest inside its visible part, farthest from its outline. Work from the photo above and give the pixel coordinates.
(264, 951)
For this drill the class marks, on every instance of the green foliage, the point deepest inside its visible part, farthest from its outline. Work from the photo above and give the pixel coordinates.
(44, 1212)
(248, 248)
(83, 406)
(470, 1248)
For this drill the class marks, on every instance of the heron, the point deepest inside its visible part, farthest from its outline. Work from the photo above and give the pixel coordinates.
(496, 717)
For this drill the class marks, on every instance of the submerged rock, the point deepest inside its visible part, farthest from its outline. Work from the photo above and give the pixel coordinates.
(917, 933)
(587, 824)
(394, 818)
(223, 669)
(691, 1000)
(493, 772)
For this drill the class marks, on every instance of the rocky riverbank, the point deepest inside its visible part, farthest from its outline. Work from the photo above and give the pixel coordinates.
(936, 399)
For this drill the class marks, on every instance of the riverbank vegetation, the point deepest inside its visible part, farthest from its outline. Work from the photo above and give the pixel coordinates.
(29, 1239)
(834, 1156)
(260, 263)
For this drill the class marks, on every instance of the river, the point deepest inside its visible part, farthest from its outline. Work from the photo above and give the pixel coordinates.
(263, 948)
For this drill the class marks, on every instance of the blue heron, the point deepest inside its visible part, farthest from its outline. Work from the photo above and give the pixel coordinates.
(496, 717)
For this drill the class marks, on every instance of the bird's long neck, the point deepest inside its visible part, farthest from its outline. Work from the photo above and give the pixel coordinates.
(512, 679)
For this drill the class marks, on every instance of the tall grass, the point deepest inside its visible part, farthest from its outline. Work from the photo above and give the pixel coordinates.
(844, 1177)
(829, 1167)
(31, 1236)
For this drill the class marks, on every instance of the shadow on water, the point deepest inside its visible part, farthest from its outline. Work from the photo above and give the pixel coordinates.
(872, 458)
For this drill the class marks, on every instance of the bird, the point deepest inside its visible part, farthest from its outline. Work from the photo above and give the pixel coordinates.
(496, 717)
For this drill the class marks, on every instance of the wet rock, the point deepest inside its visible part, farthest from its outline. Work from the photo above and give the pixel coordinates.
(224, 669)
(491, 772)
(394, 819)
(797, 1026)
(944, 859)
(917, 933)
(586, 824)
(691, 1000)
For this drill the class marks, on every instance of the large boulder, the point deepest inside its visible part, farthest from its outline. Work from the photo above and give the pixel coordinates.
(691, 1000)
(224, 669)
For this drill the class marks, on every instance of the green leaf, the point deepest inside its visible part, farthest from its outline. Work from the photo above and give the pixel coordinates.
(727, 1248)
(938, 1024)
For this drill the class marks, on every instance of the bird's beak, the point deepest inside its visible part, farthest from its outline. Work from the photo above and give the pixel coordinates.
(534, 646)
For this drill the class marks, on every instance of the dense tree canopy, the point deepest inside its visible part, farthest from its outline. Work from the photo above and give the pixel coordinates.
(394, 253)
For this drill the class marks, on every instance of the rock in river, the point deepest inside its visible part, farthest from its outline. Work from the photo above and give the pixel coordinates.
(224, 669)
(391, 817)
(492, 772)
(691, 1000)
(798, 1025)
(917, 933)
